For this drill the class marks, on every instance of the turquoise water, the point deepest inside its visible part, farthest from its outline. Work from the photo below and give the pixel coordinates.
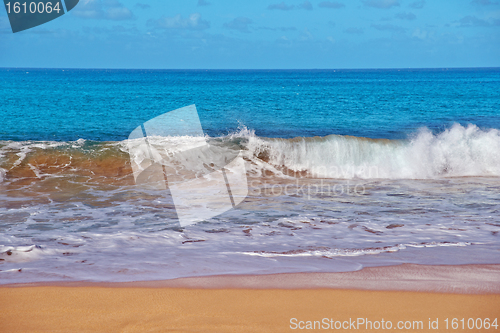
(345, 169)
(106, 105)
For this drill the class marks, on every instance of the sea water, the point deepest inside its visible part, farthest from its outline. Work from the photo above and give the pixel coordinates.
(346, 169)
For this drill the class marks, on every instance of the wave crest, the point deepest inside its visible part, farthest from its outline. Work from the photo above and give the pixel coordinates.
(456, 152)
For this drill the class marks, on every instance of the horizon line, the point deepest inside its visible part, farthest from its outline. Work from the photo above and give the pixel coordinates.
(255, 69)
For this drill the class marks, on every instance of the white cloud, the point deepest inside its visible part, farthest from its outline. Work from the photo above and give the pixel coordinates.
(193, 22)
(420, 34)
(102, 9)
(306, 35)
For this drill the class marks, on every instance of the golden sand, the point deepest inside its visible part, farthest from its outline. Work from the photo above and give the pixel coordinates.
(156, 308)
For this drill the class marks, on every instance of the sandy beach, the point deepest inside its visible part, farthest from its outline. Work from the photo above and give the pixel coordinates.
(249, 166)
(407, 298)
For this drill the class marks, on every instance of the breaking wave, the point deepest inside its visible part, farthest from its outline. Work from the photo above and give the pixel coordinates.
(456, 152)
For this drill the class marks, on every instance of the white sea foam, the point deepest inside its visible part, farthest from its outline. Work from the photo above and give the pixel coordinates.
(20, 253)
(456, 152)
(2, 174)
(23, 148)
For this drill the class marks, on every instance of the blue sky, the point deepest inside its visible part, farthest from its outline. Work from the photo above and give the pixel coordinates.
(216, 34)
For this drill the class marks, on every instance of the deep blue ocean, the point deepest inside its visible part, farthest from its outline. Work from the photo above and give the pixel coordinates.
(336, 170)
(106, 105)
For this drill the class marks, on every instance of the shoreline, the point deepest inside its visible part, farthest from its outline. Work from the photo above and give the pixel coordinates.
(461, 279)
(426, 296)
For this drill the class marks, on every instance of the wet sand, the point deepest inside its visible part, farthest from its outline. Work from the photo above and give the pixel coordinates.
(402, 295)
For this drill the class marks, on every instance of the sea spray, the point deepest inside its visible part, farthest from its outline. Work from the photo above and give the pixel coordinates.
(456, 152)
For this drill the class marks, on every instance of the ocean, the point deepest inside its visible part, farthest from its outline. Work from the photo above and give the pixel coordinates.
(345, 169)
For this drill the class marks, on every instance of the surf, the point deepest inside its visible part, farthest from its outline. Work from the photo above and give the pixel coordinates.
(456, 152)
(459, 151)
